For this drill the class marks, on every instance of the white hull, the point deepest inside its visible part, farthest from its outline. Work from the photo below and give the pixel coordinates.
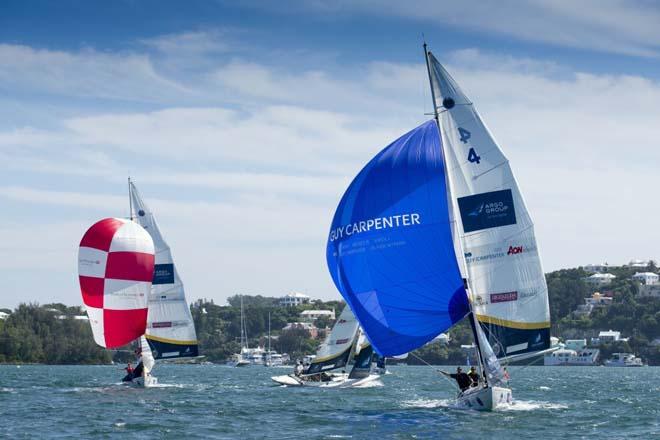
(336, 381)
(485, 399)
(144, 381)
(624, 360)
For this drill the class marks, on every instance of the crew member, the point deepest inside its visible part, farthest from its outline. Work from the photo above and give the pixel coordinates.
(298, 369)
(462, 379)
(474, 376)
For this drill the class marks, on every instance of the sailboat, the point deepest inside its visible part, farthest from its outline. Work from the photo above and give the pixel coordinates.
(241, 359)
(271, 357)
(153, 306)
(170, 329)
(433, 230)
(116, 266)
(344, 343)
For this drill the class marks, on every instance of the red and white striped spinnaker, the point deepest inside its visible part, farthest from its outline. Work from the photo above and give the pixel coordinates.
(116, 267)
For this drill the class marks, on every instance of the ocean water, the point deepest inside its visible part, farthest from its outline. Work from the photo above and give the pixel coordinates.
(213, 401)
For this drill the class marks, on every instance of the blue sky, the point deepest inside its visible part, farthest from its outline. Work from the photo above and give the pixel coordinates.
(243, 124)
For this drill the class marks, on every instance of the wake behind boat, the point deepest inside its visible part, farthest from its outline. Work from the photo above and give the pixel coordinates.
(434, 229)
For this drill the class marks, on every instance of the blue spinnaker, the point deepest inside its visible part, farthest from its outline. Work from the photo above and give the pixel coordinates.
(390, 249)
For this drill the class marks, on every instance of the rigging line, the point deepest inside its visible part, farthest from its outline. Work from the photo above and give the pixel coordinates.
(437, 370)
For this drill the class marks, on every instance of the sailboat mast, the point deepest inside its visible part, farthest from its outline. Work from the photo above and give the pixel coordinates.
(130, 200)
(454, 224)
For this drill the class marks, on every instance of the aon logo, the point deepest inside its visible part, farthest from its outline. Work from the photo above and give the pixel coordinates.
(515, 250)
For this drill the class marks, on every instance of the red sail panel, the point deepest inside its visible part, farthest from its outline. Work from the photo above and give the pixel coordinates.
(116, 266)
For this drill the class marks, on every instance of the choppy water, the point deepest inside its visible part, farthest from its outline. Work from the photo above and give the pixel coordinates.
(213, 401)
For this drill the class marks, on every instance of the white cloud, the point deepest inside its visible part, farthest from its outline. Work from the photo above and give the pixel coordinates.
(245, 188)
(85, 74)
(615, 26)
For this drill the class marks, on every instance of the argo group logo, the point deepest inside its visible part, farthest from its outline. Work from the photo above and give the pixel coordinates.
(487, 210)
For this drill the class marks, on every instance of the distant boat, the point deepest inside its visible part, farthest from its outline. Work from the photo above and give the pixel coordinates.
(241, 359)
(344, 343)
(624, 360)
(434, 229)
(271, 357)
(586, 357)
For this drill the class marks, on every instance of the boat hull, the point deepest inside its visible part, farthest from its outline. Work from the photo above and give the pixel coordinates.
(144, 381)
(485, 399)
(336, 381)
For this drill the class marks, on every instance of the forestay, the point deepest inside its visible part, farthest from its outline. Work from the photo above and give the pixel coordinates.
(509, 293)
(390, 250)
(170, 327)
(115, 267)
(335, 351)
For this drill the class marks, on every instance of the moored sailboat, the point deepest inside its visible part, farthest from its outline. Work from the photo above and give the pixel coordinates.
(434, 229)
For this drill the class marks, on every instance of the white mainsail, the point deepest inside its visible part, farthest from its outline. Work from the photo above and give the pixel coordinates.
(506, 280)
(170, 327)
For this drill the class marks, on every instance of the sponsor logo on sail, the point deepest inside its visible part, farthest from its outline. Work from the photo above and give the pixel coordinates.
(161, 324)
(513, 250)
(389, 222)
(503, 297)
(487, 210)
(163, 274)
(341, 341)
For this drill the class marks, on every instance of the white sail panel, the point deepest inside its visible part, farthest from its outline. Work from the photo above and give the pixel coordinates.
(506, 280)
(146, 356)
(340, 338)
(335, 352)
(495, 374)
(170, 327)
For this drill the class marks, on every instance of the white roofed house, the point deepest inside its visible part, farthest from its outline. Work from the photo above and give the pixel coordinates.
(599, 279)
(313, 315)
(4, 315)
(646, 278)
(597, 268)
(294, 299)
(638, 264)
(609, 336)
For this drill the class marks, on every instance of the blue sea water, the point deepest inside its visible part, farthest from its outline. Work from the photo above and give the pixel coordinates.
(213, 401)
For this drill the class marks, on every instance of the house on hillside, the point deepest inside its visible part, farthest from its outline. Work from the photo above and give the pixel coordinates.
(599, 279)
(306, 326)
(294, 299)
(609, 336)
(638, 264)
(313, 315)
(646, 278)
(597, 268)
(4, 315)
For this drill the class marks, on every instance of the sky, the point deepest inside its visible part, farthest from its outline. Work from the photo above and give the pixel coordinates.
(242, 123)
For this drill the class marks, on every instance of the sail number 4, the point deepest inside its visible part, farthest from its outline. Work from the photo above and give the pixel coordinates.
(473, 157)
